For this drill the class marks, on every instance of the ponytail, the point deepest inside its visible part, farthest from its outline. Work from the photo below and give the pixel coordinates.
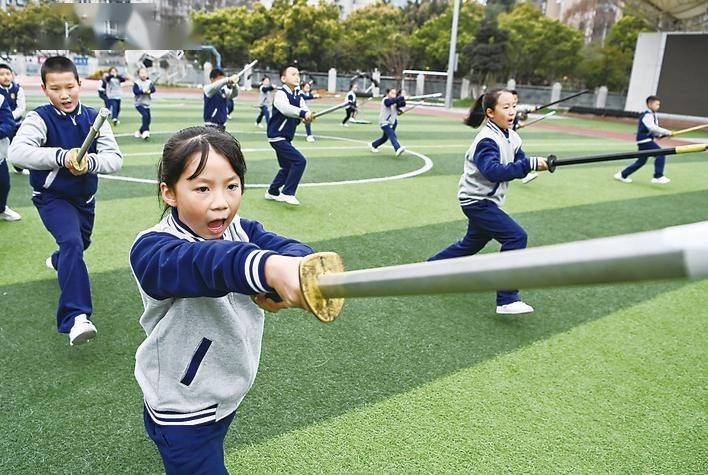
(478, 112)
(476, 115)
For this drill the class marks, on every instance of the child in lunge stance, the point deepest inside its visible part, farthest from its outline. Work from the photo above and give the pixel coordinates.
(47, 143)
(494, 159)
(204, 329)
(388, 121)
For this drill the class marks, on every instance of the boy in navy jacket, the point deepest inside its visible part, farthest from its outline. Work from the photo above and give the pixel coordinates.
(47, 143)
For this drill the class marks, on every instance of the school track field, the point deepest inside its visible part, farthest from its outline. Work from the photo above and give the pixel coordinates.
(600, 379)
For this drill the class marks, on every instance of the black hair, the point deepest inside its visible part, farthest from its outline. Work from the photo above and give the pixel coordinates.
(265, 76)
(514, 92)
(652, 99)
(198, 139)
(478, 110)
(285, 68)
(5, 66)
(58, 64)
(215, 73)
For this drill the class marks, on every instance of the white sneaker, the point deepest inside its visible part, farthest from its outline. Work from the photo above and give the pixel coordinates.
(345, 125)
(49, 264)
(514, 308)
(663, 180)
(373, 149)
(116, 122)
(228, 117)
(618, 176)
(10, 215)
(289, 199)
(136, 134)
(146, 135)
(259, 125)
(400, 151)
(310, 138)
(268, 196)
(530, 177)
(25, 172)
(82, 331)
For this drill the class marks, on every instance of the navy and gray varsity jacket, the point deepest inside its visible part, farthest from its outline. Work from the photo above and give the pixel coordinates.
(202, 349)
(7, 122)
(15, 96)
(288, 109)
(648, 127)
(351, 98)
(43, 140)
(494, 159)
(143, 98)
(7, 127)
(113, 86)
(263, 94)
(216, 98)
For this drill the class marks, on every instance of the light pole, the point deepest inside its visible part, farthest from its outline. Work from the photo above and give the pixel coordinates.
(451, 59)
(68, 29)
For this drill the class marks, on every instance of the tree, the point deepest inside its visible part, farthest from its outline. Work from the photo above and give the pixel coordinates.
(611, 65)
(487, 53)
(430, 44)
(231, 31)
(34, 27)
(540, 49)
(375, 38)
(417, 12)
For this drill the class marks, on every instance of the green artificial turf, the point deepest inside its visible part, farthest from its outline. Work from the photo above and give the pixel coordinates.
(600, 379)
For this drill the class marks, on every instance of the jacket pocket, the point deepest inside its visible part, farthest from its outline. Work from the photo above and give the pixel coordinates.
(195, 362)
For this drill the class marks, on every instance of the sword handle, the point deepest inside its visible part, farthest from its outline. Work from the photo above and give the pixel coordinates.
(551, 161)
(311, 268)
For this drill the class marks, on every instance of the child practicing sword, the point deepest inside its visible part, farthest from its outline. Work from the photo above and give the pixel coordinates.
(114, 93)
(14, 95)
(143, 89)
(204, 329)
(648, 129)
(289, 109)
(308, 95)
(216, 96)
(388, 121)
(264, 91)
(7, 130)
(494, 159)
(351, 108)
(64, 190)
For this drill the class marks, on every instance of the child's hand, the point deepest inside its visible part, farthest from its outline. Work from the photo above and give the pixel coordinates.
(268, 304)
(309, 117)
(72, 164)
(283, 274)
(541, 164)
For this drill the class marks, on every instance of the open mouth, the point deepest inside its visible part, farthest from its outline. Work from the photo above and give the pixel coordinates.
(217, 226)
